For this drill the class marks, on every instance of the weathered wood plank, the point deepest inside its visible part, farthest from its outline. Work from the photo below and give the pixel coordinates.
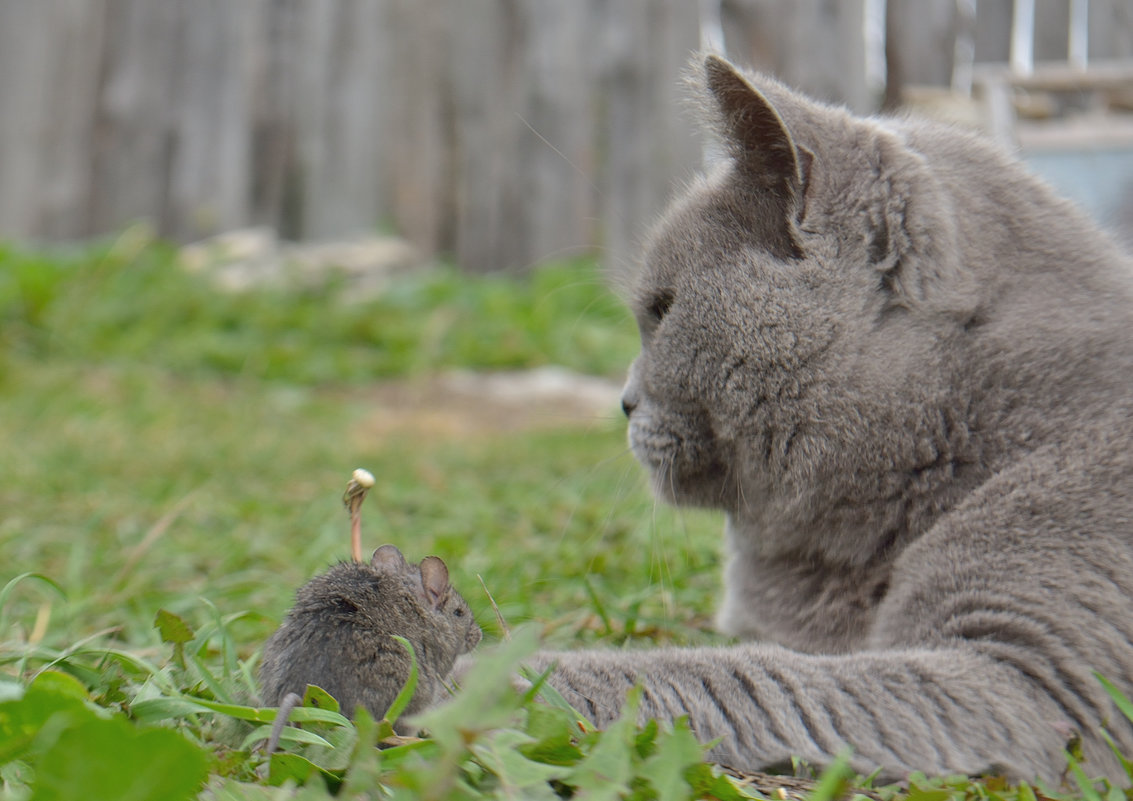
(420, 119)
(339, 115)
(919, 44)
(647, 140)
(554, 197)
(1111, 29)
(50, 53)
(209, 181)
(133, 147)
(502, 132)
(815, 45)
(485, 74)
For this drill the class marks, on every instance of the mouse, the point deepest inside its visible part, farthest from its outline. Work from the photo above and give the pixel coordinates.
(339, 635)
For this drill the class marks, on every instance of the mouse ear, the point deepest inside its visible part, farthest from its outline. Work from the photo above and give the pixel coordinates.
(388, 559)
(434, 580)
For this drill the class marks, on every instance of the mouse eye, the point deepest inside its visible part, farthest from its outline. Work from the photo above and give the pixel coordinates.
(459, 612)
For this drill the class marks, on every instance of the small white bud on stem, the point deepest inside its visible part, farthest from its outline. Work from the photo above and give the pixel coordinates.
(363, 477)
(360, 481)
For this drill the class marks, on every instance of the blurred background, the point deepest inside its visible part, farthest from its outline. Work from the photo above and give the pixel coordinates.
(499, 133)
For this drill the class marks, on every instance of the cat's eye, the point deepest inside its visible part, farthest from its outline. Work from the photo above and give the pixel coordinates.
(659, 305)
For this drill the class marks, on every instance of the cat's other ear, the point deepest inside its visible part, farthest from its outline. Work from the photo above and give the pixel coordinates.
(758, 140)
(434, 581)
(911, 240)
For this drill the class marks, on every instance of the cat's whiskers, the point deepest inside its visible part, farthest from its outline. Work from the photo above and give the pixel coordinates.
(621, 489)
(564, 253)
(737, 487)
(590, 181)
(599, 532)
(671, 475)
(618, 268)
(658, 556)
(624, 452)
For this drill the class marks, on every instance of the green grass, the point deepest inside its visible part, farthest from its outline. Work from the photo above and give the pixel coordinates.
(173, 447)
(136, 489)
(148, 472)
(127, 302)
(178, 454)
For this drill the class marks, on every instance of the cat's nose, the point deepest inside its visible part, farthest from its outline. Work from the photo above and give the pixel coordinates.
(630, 399)
(630, 393)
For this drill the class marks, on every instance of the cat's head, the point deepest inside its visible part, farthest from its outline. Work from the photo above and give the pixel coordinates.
(787, 299)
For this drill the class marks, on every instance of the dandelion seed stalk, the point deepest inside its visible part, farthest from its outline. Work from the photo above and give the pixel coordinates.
(360, 483)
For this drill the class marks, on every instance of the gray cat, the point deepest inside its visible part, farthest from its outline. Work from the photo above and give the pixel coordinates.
(903, 368)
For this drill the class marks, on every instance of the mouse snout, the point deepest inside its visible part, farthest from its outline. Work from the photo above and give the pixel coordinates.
(472, 639)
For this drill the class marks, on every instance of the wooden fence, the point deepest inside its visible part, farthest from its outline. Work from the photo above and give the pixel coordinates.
(502, 132)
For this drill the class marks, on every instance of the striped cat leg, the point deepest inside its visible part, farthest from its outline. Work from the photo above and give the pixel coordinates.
(938, 711)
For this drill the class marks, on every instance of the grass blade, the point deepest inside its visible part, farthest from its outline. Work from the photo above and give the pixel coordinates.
(10, 587)
(290, 734)
(180, 705)
(541, 688)
(599, 607)
(1084, 782)
(406, 695)
(1119, 698)
(834, 780)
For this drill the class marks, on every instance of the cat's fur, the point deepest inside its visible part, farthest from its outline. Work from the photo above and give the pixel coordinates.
(904, 369)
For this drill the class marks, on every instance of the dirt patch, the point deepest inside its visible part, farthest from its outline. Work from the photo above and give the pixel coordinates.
(461, 403)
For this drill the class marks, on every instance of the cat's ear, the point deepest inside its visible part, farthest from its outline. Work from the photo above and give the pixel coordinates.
(754, 132)
(911, 239)
(434, 580)
(759, 141)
